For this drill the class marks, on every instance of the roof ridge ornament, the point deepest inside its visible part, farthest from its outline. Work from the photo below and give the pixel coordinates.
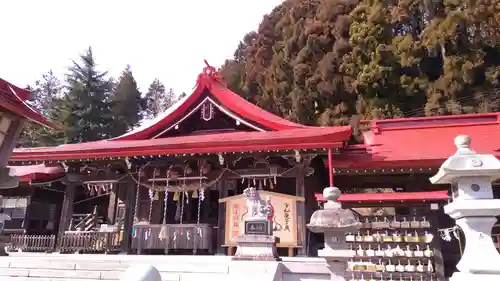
(209, 72)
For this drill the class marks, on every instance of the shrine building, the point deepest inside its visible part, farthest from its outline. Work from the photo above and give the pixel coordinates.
(173, 185)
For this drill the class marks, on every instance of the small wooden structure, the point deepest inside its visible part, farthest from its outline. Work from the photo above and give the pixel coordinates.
(285, 218)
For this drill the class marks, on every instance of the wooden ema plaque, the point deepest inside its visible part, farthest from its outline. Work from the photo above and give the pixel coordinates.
(284, 220)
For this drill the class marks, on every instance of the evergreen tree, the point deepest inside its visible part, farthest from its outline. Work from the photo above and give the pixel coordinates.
(157, 99)
(126, 103)
(181, 96)
(86, 113)
(335, 62)
(44, 99)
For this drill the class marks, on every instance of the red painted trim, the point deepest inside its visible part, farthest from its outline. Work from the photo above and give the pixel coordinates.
(41, 177)
(367, 163)
(166, 151)
(444, 117)
(21, 171)
(13, 98)
(330, 166)
(310, 138)
(439, 195)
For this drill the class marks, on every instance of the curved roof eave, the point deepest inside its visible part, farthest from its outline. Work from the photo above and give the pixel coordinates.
(210, 80)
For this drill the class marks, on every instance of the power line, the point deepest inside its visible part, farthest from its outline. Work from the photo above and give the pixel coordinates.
(414, 112)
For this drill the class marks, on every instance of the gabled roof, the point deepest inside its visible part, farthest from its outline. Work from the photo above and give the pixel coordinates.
(425, 141)
(13, 99)
(270, 132)
(209, 81)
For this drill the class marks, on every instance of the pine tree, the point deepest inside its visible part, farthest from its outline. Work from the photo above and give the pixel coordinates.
(44, 99)
(126, 103)
(86, 113)
(157, 99)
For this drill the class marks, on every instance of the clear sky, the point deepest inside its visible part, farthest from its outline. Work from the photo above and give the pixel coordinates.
(158, 38)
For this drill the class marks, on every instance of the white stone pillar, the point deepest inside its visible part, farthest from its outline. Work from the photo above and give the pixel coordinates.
(473, 208)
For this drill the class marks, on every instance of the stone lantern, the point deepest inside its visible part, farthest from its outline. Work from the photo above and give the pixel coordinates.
(473, 208)
(335, 222)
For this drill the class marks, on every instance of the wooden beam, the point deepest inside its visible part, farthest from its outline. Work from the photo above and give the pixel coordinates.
(130, 197)
(280, 172)
(10, 139)
(301, 210)
(221, 217)
(66, 211)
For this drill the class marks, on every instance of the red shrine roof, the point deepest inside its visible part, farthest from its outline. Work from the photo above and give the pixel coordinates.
(13, 99)
(394, 197)
(210, 85)
(270, 131)
(38, 173)
(306, 138)
(426, 141)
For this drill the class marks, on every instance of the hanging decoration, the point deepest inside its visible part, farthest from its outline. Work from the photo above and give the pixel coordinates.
(201, 198)
(447, 234)
(97, 189)
(273, 177)
(152, 195)
(150, 214)
(164, 231)
(136, 207)
(261, 183)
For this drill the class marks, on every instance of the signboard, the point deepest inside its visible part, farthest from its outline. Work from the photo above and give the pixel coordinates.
(257, 227)
(284, 220)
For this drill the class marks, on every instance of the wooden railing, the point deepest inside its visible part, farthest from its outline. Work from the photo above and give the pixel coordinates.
(85, 222)
(90, 242)
(31, 243)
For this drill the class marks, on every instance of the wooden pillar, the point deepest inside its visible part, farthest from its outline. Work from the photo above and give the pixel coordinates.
(301, 211)
(128, 222)
(7, 145)
(10, 138)
(113, 199)
(66, 210)
(221, 216)
(437, 244)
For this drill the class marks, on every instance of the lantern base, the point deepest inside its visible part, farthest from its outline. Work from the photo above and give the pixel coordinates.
(256, 247)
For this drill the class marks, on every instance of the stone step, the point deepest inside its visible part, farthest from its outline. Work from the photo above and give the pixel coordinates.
(16, 274)
(56, 267)
(76, 268)
(46, 279)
